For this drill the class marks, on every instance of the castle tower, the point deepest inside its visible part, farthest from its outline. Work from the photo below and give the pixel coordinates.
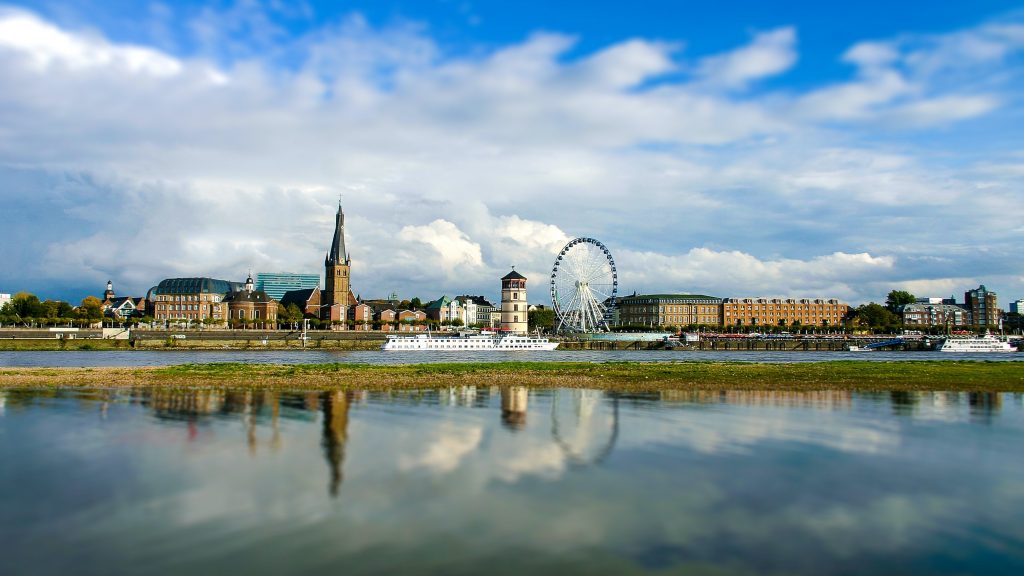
(109, 293)
(513, 303)
(337, 290)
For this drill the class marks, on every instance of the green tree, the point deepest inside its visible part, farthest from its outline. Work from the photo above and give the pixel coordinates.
(876, 317)
(91, 308)
(898, 298)
(415, 303)
(27, 305)
(456, 322)
(543, 318)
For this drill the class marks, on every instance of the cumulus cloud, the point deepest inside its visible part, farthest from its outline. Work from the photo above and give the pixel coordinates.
(770, 53)
(44, 46)
(145, 162)
(703, 269)
(452, 247)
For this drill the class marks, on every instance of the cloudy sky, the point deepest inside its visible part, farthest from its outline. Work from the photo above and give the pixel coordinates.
(726, 148)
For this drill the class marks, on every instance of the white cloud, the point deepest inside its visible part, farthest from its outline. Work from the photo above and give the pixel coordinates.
(769, 54)
(455, 166)
(45, 45)
(453, 247)
(706, 270)
(447, 447)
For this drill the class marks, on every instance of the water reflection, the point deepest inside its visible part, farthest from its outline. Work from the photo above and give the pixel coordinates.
(335, 434)
(588, 436)
(451, 480)
(514, 402)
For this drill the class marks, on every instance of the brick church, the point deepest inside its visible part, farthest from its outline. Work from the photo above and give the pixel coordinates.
(337, 297)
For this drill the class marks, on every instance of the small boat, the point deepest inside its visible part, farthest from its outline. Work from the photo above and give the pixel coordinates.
(853, 348)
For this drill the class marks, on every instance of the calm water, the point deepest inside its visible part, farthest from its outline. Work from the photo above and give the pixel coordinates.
(163, 358)
(505, 481)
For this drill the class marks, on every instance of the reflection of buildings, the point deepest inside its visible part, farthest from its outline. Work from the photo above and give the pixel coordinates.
(513, 406)
(985, 406)
(831, 399)
(335, 433)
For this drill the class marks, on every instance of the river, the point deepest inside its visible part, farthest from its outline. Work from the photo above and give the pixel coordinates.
(508, 481)
(169, 357)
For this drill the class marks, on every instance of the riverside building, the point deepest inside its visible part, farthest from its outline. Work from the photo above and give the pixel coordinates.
(983, 307)
(276, 284)
(669, 310)
(783, 312)
(191, 299)
(513, 303)
(930, 313)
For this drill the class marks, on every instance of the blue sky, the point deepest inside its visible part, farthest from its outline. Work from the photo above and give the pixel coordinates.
(808, 149)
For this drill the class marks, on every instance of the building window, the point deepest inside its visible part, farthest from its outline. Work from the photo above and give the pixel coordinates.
(515, 318)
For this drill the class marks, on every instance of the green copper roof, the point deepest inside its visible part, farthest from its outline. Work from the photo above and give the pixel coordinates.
(196, 286)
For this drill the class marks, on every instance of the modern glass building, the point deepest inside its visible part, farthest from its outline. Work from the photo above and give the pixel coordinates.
(275, 284)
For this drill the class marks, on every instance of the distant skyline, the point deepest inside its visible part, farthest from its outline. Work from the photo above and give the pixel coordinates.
(743, 148)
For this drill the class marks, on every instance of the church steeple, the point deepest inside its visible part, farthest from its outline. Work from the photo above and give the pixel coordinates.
(338, 254)
(337, 294)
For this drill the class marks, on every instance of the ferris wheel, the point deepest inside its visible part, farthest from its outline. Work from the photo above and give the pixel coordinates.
(583, 286)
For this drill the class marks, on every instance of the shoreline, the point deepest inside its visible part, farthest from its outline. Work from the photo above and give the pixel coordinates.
(852, 375)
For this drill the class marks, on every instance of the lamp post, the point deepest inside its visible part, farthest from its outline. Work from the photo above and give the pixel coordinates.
(305, 324)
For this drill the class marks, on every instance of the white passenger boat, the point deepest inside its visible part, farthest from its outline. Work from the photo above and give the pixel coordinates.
(986, 343)
(468, 342)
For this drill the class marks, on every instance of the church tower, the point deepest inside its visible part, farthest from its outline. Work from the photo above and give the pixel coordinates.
(108, 294)
(337, 290)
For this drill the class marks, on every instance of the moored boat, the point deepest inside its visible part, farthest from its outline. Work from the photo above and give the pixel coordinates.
(986, 343)
(468, 342)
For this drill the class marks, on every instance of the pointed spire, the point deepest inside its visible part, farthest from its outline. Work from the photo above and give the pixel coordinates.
(338, 255)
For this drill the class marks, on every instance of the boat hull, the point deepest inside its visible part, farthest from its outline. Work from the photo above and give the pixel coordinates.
(481, 343)
(983, 345)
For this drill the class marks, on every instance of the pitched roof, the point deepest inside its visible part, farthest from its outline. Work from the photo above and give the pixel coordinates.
(439, 303)
(669, 297)
(243, 296)
(478, 300)
(120, 301)
(298, 297)
(513, 275)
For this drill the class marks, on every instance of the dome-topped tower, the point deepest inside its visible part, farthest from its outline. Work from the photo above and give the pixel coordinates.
(109, 293)
(513, 303)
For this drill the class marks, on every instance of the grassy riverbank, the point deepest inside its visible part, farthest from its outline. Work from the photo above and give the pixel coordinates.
(622, 376)
(55, 344)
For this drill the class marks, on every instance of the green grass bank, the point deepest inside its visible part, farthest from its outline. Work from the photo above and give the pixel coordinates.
(621, 376)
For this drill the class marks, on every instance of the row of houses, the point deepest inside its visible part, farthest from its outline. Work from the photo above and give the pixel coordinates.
(225, 302)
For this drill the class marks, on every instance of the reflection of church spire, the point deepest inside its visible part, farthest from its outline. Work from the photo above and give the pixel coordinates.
(513, 406)
(335, 408)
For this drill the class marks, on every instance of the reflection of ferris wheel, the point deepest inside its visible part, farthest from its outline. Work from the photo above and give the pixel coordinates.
(586, 443)
(583, 286)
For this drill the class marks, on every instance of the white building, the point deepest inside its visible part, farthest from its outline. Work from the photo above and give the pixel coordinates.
(4, 299)
(1017, 306)
(513, 303)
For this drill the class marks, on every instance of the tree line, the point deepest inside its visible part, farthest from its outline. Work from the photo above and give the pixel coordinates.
(26, 309)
